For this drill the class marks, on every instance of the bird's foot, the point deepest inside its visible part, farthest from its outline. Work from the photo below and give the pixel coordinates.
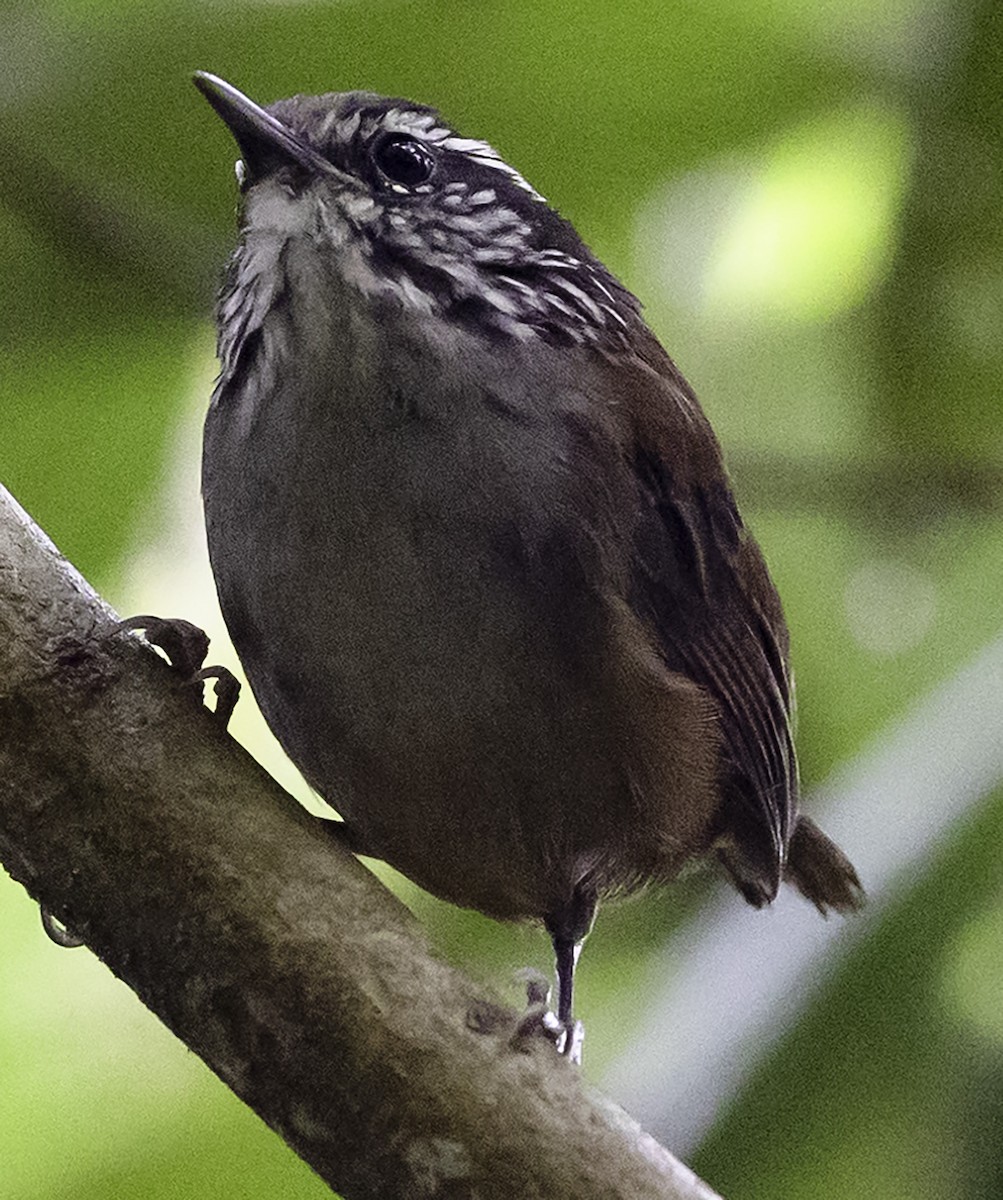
(539, 1019)
(226, 689)
(186, 647)
(572, 1042)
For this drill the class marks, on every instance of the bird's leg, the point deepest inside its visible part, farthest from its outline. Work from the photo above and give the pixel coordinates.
(186, 647)
(566, 952)
(568, 927)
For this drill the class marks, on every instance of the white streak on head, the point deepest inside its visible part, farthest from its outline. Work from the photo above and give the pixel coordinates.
(350, 125)
(464, 145)
(344, 128)
(415, 297)
(518, 285)
(584, 299)
(418, 124)
(488, 156)
(557, 260)
(602, 287)
(556, 302)
(614, 314)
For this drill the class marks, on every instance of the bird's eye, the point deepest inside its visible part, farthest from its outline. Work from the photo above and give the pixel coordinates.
(404, 160)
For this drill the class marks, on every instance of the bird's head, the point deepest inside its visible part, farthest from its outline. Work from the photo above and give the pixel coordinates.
(412, 213)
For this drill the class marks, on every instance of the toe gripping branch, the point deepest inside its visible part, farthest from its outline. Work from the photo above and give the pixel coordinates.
(186, 647)
(539, 1020)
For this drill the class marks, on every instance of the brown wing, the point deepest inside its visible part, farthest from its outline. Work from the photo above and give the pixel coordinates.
(700, 584)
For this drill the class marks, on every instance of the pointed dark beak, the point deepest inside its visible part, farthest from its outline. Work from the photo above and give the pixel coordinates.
(265, 143)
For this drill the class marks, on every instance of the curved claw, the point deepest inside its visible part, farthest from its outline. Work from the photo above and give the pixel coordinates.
(540, 1021)
(537, 986)
(184, 643)
(186, 647)
(57, 931)
(226, 689)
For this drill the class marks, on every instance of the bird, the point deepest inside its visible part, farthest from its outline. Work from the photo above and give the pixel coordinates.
(474, 540)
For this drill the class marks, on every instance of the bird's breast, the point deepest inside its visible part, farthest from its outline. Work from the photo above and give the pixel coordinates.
(417, 578)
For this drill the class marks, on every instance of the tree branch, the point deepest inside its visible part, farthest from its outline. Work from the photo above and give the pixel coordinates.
(276, 956)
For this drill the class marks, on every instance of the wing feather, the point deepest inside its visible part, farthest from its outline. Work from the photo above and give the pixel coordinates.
(701, 585)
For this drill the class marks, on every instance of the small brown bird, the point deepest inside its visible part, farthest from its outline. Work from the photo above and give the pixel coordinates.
(474, 541)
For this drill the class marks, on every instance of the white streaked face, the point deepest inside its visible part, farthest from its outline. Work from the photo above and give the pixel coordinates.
(421, 215)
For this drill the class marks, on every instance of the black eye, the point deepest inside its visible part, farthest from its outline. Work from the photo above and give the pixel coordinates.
(404, 160)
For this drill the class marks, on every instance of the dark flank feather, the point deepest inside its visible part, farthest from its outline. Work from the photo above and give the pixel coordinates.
(701, 586)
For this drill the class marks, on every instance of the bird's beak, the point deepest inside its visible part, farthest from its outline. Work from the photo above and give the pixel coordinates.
(265, 143)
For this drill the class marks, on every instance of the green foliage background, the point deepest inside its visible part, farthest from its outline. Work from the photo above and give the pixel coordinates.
(809, 199)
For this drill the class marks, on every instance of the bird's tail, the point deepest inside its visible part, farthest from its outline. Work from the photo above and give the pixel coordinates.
(821, 871)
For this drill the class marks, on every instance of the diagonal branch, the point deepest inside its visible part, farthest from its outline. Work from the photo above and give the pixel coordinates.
(268, 949)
